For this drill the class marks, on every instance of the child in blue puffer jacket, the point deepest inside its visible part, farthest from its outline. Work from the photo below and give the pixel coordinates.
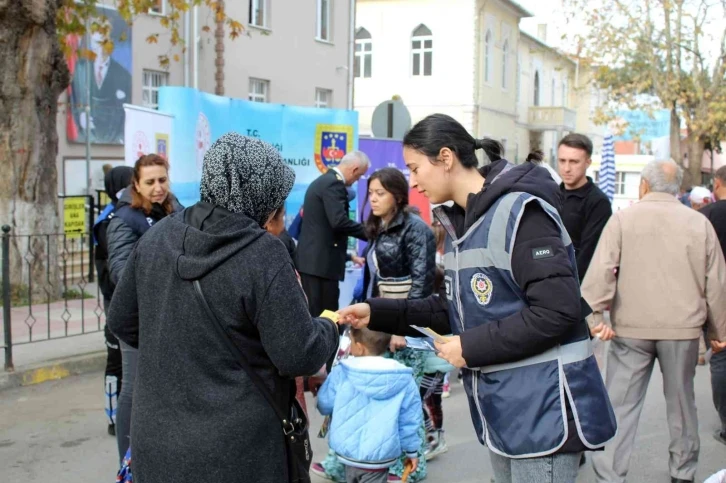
(376, 409)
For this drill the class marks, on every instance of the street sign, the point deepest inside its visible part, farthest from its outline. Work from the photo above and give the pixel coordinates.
(391, 120)
(74, 216)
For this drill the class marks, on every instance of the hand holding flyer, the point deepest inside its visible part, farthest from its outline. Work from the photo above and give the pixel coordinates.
(431, 333)
(329, 314)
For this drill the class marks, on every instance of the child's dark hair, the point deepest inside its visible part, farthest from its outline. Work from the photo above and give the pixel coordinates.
(438, 131)
(376, 342)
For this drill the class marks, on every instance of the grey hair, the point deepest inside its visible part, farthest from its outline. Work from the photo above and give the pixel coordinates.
(358, 158)
(661, 180)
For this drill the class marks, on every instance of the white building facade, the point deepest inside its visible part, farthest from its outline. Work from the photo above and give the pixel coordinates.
(469, 59)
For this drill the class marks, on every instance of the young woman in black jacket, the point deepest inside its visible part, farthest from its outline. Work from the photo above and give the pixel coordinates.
(511, 297)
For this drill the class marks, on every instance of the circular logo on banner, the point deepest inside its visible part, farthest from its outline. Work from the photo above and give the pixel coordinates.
(203, 139)
(141, 144)
(482, 287)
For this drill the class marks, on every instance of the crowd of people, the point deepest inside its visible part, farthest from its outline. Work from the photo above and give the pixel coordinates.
(215, 326)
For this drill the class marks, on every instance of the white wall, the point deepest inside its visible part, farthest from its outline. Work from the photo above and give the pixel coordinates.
(450, 88)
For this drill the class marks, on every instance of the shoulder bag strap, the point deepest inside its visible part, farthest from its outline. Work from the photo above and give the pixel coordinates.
(239, 356)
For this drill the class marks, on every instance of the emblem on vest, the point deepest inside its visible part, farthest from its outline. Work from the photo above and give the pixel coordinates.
(482, 287)
(150, 221)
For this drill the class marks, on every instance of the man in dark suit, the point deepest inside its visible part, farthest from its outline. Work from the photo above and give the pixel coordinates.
(110, 88)
(321, 250)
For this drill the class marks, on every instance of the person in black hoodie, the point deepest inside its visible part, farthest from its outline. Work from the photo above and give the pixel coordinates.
(140, 207)
(586, 209)
(197, 415)
(115, 180)
(511, 297)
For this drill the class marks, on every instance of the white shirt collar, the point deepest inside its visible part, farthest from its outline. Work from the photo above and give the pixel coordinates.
(340, 173)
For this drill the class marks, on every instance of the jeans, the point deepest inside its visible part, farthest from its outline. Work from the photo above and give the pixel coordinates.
(129, 358)
(718, 386)
(555, 468)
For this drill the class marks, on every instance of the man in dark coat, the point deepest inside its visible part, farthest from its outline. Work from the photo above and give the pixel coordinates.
(586, 209)
(196, 413)
(321, 250)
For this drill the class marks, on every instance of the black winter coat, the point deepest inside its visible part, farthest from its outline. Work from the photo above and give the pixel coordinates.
(406, 248)
(323, 242)
(196, 414)
(125, 228)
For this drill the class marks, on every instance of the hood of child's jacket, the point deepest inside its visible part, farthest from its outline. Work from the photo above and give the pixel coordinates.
(503, 178)
(211, 236)
(376, 377)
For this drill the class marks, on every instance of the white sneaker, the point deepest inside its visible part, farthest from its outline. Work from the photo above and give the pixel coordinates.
(437, 445)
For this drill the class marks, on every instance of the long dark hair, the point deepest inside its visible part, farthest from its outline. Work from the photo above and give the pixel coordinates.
(395, 183)
(439, 131)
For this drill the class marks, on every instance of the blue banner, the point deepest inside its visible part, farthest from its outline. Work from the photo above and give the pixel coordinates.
(311, 140)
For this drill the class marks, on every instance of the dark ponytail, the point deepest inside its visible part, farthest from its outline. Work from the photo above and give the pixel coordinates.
(535, 157)
(438, 131)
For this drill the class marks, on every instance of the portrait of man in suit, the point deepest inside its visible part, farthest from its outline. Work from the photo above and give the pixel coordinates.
(110, 86)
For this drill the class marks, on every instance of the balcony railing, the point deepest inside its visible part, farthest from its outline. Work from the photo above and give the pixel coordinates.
(552, 118)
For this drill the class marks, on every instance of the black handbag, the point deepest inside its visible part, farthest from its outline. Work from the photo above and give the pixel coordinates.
(294, 423)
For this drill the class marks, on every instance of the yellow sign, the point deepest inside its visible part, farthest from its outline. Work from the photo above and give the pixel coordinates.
(74, 216)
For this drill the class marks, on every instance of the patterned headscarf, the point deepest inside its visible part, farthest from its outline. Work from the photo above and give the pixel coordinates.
(245, 175)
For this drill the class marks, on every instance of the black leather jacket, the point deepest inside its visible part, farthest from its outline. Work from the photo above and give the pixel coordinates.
(406, 248)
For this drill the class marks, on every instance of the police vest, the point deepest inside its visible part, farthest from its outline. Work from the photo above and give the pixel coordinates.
(519, 408)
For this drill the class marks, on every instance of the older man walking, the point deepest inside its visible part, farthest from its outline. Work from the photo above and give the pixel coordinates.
(660, 268)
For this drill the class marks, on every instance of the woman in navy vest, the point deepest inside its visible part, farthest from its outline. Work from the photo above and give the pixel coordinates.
(511, 298)
(142, 205)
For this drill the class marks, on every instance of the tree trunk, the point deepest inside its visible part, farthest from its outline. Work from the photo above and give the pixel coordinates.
(696, 148)
(33, 75)
(219, 49)
(676, 137)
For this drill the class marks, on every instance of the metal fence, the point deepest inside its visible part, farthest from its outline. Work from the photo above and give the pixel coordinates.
(56, 298)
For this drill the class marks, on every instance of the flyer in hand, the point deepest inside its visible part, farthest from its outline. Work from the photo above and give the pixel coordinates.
(431, 333)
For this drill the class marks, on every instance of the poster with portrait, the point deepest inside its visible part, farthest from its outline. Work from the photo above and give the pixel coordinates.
(110, 86)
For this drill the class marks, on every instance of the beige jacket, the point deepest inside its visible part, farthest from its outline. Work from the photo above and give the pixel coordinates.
(671, 273)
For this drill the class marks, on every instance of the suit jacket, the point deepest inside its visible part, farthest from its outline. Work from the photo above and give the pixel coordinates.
(324, 235)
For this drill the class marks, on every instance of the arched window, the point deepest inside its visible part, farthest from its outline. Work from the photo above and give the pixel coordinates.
(536, 88)
(505, 63)
(422, 51)
(554, 84)
(363, 66)
(488, 56)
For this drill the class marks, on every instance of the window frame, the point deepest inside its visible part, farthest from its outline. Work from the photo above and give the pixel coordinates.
(265, 17)
(488, 37)
(161, 11)
(421, 51)
(319, 21)
(328, 93)
(620, 183)
(263, 97)
(505, 65)
(150, 89)
(364, 57)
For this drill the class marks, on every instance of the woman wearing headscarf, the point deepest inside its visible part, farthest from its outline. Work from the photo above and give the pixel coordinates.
(196, 413)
